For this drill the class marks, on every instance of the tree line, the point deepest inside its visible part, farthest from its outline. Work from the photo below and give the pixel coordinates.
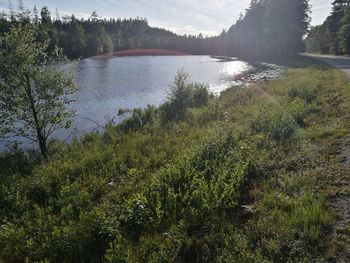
(269, 28)
(333, 36)
(81, 38)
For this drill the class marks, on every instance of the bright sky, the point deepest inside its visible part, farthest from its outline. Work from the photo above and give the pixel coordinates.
(209, 17)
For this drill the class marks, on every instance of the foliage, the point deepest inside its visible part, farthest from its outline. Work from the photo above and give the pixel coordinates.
(94, 36)
(183, 95)
(270, 29)
(239, 178)
(332, 37)
(35, 88)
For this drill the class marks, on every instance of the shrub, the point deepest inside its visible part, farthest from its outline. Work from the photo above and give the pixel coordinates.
(307, 92)
(274, 122)
(139, 118)
(182, 95)
(200, 95)
(119, 251)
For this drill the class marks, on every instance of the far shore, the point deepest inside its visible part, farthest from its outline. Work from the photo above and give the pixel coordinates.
(142, 52)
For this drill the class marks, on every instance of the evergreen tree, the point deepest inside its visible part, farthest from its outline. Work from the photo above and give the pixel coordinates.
(273, 28)
(333, 36)
(35, 16)
(344, 32)
(74, 39)
(45, 16)
(22, 13)
(285, 24)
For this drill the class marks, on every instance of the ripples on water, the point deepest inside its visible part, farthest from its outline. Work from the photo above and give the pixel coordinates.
(134, 82)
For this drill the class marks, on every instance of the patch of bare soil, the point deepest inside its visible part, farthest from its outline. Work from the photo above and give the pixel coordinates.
(340, 204)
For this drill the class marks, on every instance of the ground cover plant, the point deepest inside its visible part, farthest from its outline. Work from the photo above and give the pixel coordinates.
(243, 177)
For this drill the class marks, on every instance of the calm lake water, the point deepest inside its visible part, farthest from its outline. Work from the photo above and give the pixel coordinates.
(134, 82)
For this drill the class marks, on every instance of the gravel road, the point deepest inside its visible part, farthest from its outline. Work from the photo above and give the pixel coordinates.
(342, 63)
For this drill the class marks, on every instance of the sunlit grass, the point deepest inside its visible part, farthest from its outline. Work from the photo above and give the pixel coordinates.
(244, 177)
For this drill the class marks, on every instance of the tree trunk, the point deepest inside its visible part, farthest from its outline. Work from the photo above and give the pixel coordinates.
(40, 136)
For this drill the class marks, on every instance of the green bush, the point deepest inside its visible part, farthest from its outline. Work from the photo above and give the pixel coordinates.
(183, 95)
(275, 122)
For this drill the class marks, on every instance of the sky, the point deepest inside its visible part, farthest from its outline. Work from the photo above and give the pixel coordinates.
(208, 17)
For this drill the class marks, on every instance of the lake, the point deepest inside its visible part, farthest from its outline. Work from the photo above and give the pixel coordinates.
(134, 82)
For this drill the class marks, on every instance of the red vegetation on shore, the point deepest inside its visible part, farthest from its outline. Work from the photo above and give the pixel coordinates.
(146, 52)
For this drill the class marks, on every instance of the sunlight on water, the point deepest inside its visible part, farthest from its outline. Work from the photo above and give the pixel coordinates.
(134, 82)
(235, 67)
(227, 75)
(130, 82)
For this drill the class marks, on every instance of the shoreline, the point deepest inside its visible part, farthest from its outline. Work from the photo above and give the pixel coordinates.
(141, 52)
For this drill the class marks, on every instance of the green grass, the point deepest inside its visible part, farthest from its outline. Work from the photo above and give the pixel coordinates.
(244, 177)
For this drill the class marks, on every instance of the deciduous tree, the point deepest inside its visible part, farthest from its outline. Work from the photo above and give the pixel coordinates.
(35, 89)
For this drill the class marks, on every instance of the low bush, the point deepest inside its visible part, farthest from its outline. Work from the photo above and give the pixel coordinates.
(237, 178)
(183, 95)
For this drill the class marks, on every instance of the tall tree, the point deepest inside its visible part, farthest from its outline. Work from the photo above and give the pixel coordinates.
(270, 28)
(285, 24)
(332, 25)
(74, 40)
(45, 15)
(344, 31)
(333, 36)
(247, 36)
(34, 90)
(12, 13)
(35, 16)
(23, 14)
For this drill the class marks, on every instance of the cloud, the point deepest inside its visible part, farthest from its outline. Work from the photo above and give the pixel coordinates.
(320, 10)
(181, 29)
(76, 14)
(206, 16)
(209, 17)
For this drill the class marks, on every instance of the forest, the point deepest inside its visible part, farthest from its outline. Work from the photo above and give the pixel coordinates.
(81, 38)
(268, 29)
(333, 36)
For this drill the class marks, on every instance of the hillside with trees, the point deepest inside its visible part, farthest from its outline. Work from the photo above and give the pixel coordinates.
(272, 28)
(333, 36)
(81, 38)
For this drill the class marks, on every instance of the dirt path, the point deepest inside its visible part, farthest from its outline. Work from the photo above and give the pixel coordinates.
(340, 203)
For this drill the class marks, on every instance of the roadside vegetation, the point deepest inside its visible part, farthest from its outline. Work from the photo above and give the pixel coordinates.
(243, 177)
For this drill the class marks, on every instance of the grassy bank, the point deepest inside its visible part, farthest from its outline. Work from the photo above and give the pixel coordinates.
(244, 177)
